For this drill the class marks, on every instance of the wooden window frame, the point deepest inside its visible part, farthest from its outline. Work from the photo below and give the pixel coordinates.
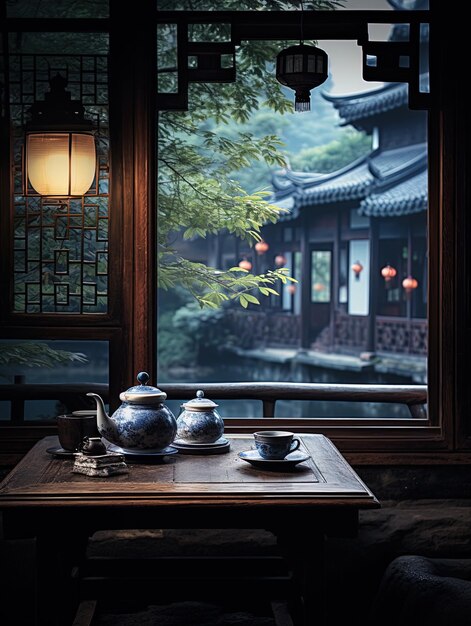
(131, 324)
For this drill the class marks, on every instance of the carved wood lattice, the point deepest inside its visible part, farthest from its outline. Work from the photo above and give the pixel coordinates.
(60, 252)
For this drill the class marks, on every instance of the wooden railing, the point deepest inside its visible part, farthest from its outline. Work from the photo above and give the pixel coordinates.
(73, 396)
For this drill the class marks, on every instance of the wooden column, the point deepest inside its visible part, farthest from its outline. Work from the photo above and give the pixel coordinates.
(133, 138)
(305, 317)
(373, 293)
(6, 180)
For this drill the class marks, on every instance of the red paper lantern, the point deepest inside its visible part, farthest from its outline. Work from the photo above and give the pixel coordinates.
(245, 264)
(261, 247)
(388, 272)
(409, 284)
(291, 289)
(280, 260)
(318, 286)
(357, 269)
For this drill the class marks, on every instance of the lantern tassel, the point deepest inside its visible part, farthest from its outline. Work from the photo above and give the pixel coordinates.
(300, 107)
(302, 101)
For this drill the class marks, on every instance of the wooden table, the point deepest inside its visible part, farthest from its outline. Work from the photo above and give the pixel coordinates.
(42, 498)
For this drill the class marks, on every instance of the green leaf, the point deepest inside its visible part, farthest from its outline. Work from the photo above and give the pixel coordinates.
(243, 300)
(251, 299)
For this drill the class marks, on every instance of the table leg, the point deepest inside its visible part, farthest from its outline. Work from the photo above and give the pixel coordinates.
(56, 591)
(304, 551)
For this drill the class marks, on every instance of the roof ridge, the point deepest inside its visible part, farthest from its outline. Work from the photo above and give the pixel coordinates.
(360, 94)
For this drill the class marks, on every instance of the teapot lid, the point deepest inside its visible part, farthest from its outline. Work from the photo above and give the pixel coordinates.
(200, 403)
(143, 393)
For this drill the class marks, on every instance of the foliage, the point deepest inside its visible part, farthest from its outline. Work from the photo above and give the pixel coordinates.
(208, 334)
(37, 355)
(334, 155)
(191, 336)
(200, 153)
(175, 349)
(318, 126)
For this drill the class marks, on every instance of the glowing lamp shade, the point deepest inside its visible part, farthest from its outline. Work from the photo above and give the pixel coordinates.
(60, 163)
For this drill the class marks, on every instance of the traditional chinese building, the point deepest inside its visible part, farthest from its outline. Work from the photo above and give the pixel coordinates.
(356, 241)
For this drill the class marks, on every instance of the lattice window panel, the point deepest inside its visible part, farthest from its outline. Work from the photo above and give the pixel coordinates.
(60, 251)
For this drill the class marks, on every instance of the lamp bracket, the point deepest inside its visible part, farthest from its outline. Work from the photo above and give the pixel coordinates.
(58, 112)
(385, 61)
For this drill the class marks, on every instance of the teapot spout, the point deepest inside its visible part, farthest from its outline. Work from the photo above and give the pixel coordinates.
(106, 425)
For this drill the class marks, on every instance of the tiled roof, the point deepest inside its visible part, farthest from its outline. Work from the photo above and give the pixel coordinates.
(394, 162)
(350, 185)
(379, 181)
(290, 206)
(362, 105)
(405, 198)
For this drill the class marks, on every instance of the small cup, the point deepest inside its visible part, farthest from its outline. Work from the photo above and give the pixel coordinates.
(275, 444)
(93, 446)
(73, 428)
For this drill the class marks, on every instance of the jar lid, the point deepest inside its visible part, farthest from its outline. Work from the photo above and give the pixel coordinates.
(143, 393)
(200, 403)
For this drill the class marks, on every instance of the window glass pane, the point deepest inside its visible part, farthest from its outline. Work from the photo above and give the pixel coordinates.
(227, 408)
(58, 8)
(31, 362)
(320, 409)
(265, 5)
(348, 191)
(320, 276)
(359, 278)
(5, 410)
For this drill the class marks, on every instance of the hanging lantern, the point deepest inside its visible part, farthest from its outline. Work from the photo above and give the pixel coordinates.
(410, 284)
(261, 247)
(245, 264)
(388, 273)
(291, 289)
(318, 287)
(280, 260)
(357, 269)
(60, 155)
(301, 68)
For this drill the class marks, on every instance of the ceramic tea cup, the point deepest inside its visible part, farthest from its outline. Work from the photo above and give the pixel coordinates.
(275, 444)
(73, 428)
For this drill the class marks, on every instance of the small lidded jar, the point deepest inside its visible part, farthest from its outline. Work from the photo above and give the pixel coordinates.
(199, 422)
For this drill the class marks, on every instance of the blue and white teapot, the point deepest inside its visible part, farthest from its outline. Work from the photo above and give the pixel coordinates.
(142, 422)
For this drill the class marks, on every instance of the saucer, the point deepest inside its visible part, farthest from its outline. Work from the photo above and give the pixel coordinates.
(188, 444)
(254, 458)
(221, 446)
(58, 451)
(134, 454)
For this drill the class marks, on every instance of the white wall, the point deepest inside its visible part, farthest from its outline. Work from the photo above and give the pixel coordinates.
(359, 290)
